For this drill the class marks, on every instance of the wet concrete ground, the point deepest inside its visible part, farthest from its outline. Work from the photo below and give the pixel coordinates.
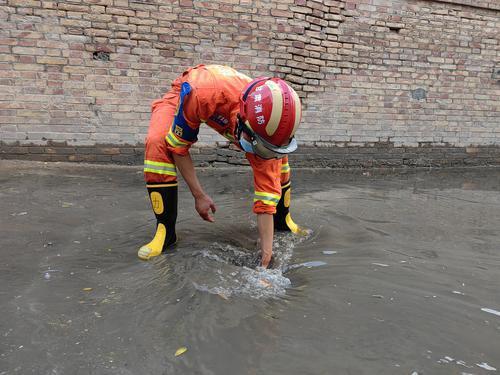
(400, 275)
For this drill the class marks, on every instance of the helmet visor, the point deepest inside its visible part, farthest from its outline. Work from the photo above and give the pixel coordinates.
(259, 146)
(263, 149)
(268, 151)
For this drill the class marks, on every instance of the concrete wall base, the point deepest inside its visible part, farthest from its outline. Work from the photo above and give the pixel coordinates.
(335, 156)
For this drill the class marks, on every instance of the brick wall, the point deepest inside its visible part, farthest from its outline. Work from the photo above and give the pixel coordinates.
(79, 75)
(487, 4)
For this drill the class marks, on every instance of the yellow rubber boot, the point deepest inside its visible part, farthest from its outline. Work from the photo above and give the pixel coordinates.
(282, 218)
(164, 203)
(155, 247)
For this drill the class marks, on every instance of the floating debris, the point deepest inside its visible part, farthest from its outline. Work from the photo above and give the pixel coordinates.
(491, 311)
(19, 213)
(329, 252)
(223, 296)
(87, 289)
(46, 274)
(180, 351)
(463, 363)
(457, 292)
(377, 296)
(314, 263)
(486, 366)
(380, 264)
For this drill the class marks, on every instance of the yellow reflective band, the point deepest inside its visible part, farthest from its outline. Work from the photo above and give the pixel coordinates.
(174, 141)
(228, 136)
(285, 168)
(159, 167)
(267, 198)
(160, 171)
(269, 195)
(269, 203)
(159, 163)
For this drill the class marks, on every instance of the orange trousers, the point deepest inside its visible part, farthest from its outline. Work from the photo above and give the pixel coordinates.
(159, 166)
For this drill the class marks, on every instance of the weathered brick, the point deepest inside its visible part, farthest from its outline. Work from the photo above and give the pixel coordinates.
(49, 60)
(364, 71)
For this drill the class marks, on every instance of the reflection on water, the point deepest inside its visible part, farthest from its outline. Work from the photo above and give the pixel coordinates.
(398, 275)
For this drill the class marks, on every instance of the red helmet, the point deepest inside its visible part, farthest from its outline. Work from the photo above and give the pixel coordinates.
(270, 112)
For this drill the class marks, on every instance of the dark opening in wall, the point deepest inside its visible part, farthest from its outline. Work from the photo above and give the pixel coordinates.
(496, 73)
(100, 55)
(395, 29)
(419, 94)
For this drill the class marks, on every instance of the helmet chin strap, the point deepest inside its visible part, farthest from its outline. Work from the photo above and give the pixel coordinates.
(252, 146)
(242, 128)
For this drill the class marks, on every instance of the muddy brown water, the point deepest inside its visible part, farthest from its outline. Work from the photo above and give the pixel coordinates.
(400, 275)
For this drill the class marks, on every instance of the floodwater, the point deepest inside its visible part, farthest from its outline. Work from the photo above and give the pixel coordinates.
(399, 275)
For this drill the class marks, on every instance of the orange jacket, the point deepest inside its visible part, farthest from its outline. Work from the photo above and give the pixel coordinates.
(210, 94)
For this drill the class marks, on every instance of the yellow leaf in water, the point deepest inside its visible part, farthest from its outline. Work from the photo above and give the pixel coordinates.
(180, 351)
(223, 296)
(87, 289)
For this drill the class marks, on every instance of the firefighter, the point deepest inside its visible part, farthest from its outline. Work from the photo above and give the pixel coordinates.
(259, 116)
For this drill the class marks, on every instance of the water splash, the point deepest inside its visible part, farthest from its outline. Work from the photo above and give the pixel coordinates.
(231, 270)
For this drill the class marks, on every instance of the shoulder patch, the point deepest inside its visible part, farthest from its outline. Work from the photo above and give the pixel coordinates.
(180, 127)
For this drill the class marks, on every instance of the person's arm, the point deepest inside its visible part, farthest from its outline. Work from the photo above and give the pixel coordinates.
(203, 203)
(267, 194)
(265, 225)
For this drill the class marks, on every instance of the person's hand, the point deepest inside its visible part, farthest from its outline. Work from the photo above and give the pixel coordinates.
(266, 258)
(203, 204)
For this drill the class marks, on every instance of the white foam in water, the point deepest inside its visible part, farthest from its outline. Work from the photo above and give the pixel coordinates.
(491, 311)
(234, 277)
(486, 366)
